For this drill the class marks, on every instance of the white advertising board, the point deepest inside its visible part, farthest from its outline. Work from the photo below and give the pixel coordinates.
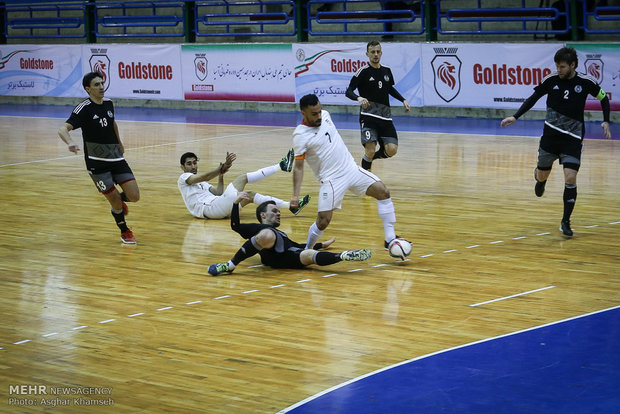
(41, 70)
(149, 71)
(601, 62)
(238, 72)
(325, 69)
(489, 75)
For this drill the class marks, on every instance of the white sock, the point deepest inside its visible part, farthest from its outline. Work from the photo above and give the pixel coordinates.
(314, 234)
(259, 198)
(262, 173)
(231, 265)
(388, 216)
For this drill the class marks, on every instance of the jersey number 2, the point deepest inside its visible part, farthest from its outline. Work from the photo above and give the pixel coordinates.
(566, 92)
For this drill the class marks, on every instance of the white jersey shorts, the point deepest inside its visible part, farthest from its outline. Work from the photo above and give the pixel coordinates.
(221, 206)
(332, 191)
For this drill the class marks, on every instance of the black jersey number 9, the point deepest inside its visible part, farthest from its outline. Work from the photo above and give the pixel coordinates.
(380, 83)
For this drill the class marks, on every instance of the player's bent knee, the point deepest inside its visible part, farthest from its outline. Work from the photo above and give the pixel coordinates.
(266, 238)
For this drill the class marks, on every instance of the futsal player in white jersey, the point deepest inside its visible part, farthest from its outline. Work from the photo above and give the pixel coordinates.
(317, 141)
(204, 200)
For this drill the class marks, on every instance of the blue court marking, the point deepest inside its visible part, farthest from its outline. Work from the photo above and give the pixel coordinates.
(483, 126)
(570, 366)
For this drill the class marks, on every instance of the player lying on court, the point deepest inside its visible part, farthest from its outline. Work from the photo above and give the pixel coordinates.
(274, 246)
(206, 201)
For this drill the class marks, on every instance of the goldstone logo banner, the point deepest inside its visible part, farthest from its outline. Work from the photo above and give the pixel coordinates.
(325, 69)
(41, 70)
(491, 75)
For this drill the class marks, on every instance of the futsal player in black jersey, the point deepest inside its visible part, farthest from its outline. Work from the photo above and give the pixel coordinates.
(375, 84)
(564, 128)
(274, 246)
(103, 150)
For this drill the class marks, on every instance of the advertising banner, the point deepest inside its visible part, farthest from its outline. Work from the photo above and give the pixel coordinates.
(149, 71)
(41, 70)
(238, 72)
(325, 69)
(487, 75)
(601, 62)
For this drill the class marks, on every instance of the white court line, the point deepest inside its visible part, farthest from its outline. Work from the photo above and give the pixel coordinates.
(79, 327)
(330, 275)
(249, 267)
(443, 351)
(222, 297)
(589, 227)
(251, 291)
(472, 246)
(379, 265)
(303, 280)
(497, 241)
(107, 321)
(193, 303)
(511, 296)
(450, 251)
(135, 314)
(21, 342)
(543, 234)
(615, 222)
(163, 309)
(50, 334)
(519, 238)
(276, 286)
(428, 255)
(354, 270)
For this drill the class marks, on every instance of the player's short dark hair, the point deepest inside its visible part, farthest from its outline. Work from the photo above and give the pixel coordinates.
(88, 78)
(308, 100)
(372, 43)
(187, 155)
(567, 55)
(262, 208)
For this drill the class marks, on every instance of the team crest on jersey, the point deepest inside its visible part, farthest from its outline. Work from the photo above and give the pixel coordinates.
(201, 66)
(578, 88)
(594, 67)
(387, 78)
(100, 62)
(110, 114)
(446, 73)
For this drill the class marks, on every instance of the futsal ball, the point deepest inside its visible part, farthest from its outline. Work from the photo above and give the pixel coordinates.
(399, 248)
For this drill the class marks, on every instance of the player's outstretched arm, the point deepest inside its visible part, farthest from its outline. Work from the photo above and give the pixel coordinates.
(63, 133)
(298, 177)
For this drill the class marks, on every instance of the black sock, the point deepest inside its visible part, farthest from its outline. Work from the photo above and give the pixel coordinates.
(326, 258)
(367, 165)
(120, 221)
(570, 196)
(124, 197)
(247, 250)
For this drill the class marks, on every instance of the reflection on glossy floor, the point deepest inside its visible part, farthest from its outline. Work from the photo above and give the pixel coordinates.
(80, 309)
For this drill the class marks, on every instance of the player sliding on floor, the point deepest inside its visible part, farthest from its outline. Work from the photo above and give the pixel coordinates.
(274, 246)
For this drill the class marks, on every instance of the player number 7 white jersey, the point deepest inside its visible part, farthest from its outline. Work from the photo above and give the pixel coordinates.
(324, 148)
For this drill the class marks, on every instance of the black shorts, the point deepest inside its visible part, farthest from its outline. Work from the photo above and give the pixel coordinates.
(106, 175)
(556, 145)
(377, 130)
(288, 259)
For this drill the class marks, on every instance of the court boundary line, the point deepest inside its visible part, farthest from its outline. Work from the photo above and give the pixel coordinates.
(344, 384)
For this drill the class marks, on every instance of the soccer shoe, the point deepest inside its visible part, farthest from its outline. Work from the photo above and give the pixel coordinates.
(386, 244)
(302, 203)
(565, 228)
(219, 268)
(128, 238)
(356, 255)
(125, 209)
(539, 188)
(286, 164)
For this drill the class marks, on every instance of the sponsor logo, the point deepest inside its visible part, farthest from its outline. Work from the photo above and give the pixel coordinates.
(505, 75)
(5, 59)
(346, 65)
(100, 62)
(139, 70)
(307, 62)
(300, 55)
(202, 88)
(446, 73)
(201, 66)
(594, 67)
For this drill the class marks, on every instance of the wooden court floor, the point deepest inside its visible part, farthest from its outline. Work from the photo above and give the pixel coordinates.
(145, 328)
